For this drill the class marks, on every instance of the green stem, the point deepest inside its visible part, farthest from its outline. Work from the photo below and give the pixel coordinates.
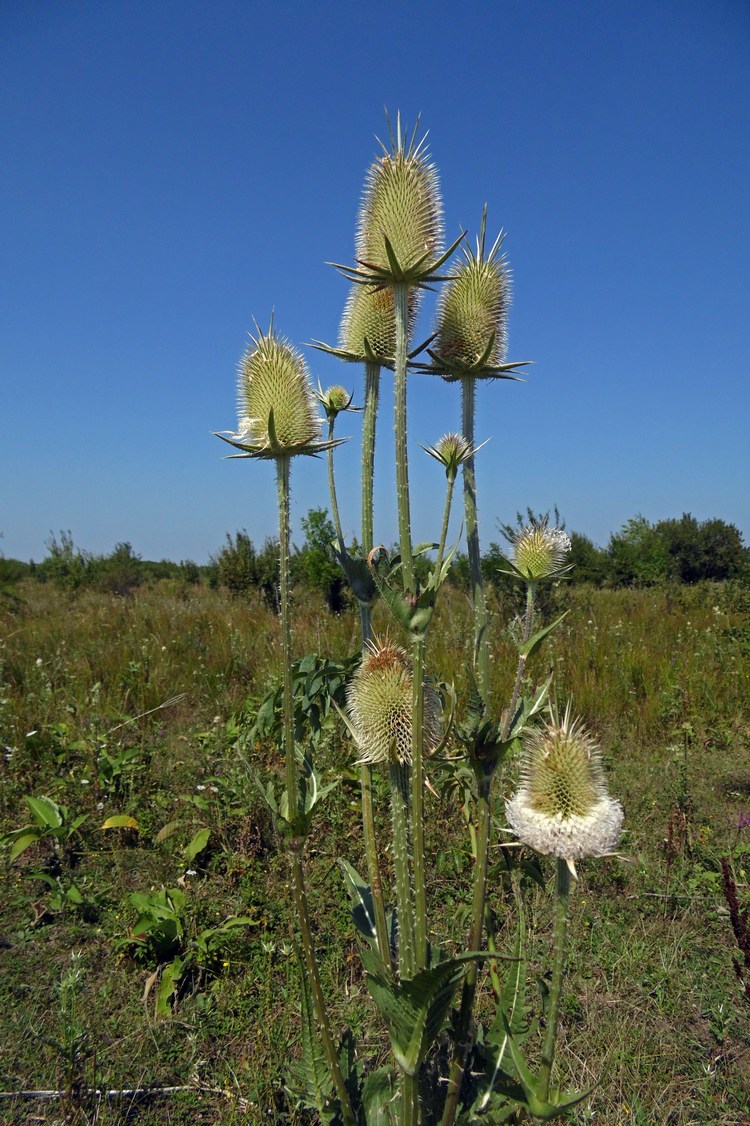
(404, 900)
(446, 521)
(409, 1100)
(481, 638)
(528, 625)
(332, 490)
(293, 799)
(311, 968)
(469, 987)
(401, 301)
(369, 420)
(561, 931)
(417, 803)
(292, 784)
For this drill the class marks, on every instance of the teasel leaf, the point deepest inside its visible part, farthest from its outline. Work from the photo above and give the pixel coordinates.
(529, 648)
(362, 904)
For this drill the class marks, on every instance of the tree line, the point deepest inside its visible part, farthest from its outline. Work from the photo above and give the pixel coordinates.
(640, 554)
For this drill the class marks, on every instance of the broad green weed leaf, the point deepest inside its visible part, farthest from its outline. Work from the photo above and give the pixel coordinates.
(121, 821)
(22, 843)
(197, 845)
(47, 813)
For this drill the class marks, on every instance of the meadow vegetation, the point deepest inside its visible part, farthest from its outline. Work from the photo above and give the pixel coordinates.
(152, 953)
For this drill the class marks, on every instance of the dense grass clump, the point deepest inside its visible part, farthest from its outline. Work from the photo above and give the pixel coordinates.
(142, 711)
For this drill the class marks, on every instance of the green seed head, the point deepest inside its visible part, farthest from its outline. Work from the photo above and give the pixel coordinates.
(401, 202)
(369, 315)
(473, 314)
(276, 402)
(334, 400)
(379, 699)
(452, 450)
(540, 551)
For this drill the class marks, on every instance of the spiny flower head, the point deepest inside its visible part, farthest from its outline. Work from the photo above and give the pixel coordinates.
(368, 326)
(473, 314)
(379, 701)
(540, 551)
(276, 403)
(401, 203)
(562, 807)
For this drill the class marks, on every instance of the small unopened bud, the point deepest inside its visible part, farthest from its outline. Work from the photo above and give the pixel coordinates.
(334, 400)
(379, 700)
(452, 450)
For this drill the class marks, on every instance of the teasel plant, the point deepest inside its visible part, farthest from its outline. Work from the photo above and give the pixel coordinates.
(394, 714)
(278, 420)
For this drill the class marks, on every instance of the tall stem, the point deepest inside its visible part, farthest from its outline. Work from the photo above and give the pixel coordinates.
(369, 423)
(469, 987)
(332, 490)
(296, 840)
(558, 967)
(417, 803)
(404, 899)
(481, 639)
(401, 300)
(369, 420)
(292, 784)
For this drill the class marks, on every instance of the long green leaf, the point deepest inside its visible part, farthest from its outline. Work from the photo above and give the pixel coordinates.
(530, 647)
(363, 907)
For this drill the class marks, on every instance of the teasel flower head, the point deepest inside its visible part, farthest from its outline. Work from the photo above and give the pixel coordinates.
(539, 552)
(472, 318)
(368, 326)
(379, 702)
(562, 807)
(400, 225)
(276, 403)
(452, 450)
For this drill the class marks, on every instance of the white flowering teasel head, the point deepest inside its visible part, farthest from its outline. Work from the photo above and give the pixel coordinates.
(562, 807)
(379, 702)
(539, 552)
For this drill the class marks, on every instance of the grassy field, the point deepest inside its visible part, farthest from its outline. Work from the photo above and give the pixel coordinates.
(140, 708)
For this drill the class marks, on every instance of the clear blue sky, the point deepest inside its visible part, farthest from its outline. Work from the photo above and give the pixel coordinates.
(171, 170)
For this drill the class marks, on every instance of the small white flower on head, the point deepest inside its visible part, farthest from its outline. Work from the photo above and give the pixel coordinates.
(562, 807)
(540, 551)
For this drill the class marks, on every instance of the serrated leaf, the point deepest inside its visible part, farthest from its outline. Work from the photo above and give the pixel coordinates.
(196, 845)
(415, 1010)
(529, 648)
(379, 1097)
(121, 821)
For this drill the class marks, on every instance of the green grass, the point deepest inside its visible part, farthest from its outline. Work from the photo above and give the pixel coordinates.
(653, 1014)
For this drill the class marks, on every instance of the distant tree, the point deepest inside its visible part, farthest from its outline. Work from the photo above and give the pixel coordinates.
(65, 564)
(120, 572)
(590, 563)
(237, 564)
(711, 550)
(638, 555)
(315, 564)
